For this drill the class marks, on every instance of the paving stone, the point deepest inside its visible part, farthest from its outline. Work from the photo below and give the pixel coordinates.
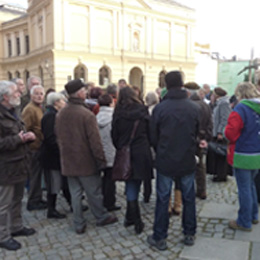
(218, 210)
(253, 236)
(212, 248)
(56, 239)
(136, 250)
(10, 257)
(255, 253)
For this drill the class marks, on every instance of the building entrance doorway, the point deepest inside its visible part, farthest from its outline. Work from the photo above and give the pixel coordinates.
(136, 78)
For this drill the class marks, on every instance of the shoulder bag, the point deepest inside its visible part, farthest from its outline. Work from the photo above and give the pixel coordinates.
(122, 163)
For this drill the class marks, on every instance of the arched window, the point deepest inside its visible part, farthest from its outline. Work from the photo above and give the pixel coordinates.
(80, 72)
(136, 78)
(17, 74)
(26, 75)
(104, 76)
(162, 79)
(9, 75)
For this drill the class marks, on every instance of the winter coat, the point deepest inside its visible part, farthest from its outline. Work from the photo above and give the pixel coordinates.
(122, 126)
(205, 130)
(220, 115)
(104, 120)
(14, 154)
(50, 154)
(79, 140)
(174, 130)
(243, 132)
(32, 116)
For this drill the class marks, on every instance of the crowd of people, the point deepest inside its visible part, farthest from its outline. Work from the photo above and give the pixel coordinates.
(70, 139)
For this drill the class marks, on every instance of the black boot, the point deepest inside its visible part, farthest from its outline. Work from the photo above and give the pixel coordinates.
(139, 225)
(51, 204)
(129, 217)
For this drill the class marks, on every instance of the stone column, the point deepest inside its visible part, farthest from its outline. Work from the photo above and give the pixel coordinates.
(22, 42)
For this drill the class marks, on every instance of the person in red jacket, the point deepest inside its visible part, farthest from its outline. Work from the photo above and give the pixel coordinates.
(243, 133)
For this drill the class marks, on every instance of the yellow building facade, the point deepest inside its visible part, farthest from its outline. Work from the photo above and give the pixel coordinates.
(100, 41)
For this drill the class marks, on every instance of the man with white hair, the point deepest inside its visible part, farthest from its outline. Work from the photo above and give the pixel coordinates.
(32, 116)
(32, 81)
(14, 164)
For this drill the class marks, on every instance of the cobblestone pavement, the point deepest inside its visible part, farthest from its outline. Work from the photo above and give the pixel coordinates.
(55, 239)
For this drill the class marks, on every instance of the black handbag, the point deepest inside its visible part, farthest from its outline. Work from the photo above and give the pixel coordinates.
(218, 148)
(122, 163)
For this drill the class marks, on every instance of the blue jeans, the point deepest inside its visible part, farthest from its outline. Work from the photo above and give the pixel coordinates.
(132, 189)
(248, 205)
(163, 190)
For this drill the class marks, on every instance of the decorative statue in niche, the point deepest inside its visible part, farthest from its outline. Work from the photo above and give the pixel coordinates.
(136, 42)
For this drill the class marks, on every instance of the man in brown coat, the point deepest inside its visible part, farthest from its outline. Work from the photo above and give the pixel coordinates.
(32, 116)
(82, 156)
(14, 165)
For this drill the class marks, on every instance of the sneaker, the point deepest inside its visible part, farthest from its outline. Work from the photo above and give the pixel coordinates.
(189, 240)
(233, 225)
(24, 232)
(160, 245)
(255, 221)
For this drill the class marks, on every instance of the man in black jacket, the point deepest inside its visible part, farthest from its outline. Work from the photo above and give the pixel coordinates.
(205, 135)
(174, 130)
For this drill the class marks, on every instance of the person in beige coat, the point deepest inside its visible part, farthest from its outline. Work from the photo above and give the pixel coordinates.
(82, 156)
(32, 116)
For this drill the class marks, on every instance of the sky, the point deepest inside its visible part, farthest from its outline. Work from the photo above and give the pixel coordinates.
(230, 26)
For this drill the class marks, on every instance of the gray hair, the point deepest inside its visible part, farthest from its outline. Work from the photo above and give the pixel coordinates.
(53, 97)
(5, 88)
(151, 98)
(192, 91)
(15, 80)
(36, 87)
(29, 81)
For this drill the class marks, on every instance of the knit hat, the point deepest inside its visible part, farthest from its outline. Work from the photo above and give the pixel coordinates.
(173, 79)
(220, 92)
(191, 86)
(74, 85)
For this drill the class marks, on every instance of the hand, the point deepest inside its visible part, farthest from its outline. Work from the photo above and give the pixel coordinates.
(220, 137)
(21, 135)
(29, 136)
(203, 144)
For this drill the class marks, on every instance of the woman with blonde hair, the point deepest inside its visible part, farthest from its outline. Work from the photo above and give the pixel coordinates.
(243, 133)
